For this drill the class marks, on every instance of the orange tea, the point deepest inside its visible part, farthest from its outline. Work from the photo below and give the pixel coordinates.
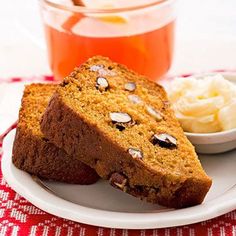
(142, 42)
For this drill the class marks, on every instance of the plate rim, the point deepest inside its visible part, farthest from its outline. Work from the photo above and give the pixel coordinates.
(104, 218)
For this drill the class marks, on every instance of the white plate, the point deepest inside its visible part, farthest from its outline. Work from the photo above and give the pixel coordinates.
(101, 205)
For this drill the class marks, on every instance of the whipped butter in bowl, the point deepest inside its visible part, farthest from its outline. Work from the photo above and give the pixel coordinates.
(205, 106)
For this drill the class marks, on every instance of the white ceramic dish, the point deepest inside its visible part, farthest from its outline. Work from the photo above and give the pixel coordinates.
(100, 204)
(213, 143)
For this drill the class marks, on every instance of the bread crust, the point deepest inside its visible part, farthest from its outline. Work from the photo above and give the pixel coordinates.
(36, 155)
(89, 145)
(70, 128)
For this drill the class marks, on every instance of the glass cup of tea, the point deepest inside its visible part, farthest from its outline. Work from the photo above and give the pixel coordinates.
(139, 34)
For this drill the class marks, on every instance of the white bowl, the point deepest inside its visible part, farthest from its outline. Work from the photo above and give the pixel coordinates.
(213, 142)
(219, 142)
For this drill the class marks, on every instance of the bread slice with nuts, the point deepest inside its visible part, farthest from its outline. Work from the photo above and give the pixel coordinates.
(122, 125)
(33, 153)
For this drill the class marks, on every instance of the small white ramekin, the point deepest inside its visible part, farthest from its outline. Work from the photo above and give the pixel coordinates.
(211, 143)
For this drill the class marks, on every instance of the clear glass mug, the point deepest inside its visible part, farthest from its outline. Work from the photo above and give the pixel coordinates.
(140, 36)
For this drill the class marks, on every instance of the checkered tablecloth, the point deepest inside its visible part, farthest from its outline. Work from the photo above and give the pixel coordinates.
(20, 217)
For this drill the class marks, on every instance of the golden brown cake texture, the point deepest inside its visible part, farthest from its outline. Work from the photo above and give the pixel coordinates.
(34, 153)
(122, 125)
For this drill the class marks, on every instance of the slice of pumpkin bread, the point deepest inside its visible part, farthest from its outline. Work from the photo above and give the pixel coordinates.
(121, 124)
(34, 153)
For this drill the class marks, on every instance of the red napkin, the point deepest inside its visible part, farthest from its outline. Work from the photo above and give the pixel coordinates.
(20, 217)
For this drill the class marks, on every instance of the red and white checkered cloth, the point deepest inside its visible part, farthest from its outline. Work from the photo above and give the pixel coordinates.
(20, 217)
